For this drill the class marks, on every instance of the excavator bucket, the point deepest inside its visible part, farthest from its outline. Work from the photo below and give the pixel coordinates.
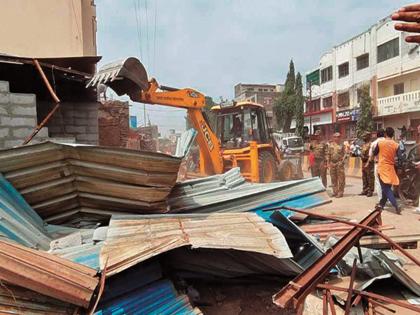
(126, 76)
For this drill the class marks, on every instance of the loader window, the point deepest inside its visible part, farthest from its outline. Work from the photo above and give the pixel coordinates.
(231, 129)
(255, 126)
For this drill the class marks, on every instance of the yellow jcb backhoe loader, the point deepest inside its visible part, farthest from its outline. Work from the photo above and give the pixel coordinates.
(243, 137)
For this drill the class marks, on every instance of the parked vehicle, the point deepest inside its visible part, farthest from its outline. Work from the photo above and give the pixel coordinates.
(409, 188)
(289, 144)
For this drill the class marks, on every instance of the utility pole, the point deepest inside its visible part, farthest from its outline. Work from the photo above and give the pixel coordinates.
(310, 103)
(144, 113)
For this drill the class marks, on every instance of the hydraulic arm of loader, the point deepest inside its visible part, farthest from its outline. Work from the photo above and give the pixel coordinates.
(129, 77)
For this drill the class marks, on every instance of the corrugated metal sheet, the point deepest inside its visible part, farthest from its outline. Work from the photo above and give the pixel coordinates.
(47, 274)
(230, 193)
(18, 222)
(185, 142)
(158, 298)
(133, 239)
(17, 300)
(59, 180)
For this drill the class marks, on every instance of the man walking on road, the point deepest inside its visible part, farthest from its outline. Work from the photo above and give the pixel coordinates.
(387, 151)
(320, 151)
(368, 176)
(379, 136)
(336, 158)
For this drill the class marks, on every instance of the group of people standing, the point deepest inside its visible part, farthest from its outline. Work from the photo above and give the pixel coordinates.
(378, 164)
(330, 156)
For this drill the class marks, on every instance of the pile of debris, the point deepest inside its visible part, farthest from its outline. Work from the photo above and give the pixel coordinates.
(89, 229)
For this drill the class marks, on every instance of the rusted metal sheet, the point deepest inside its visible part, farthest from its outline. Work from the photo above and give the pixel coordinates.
(47, 274)
(133, 239)
(18, 300)
(297, 290)
(60, 181)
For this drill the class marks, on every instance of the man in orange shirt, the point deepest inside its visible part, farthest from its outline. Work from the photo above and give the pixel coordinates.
(387, 150)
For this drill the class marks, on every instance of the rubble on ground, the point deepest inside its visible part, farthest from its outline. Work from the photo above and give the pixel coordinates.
(113, 232)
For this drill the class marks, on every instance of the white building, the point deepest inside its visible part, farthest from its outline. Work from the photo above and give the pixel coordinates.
(380, 58)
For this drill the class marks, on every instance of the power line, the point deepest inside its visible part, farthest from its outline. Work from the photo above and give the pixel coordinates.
(154, 40)
(138, 28)
(147, 34)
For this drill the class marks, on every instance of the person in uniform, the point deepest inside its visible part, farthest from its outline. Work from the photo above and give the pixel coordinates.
(319, 150)
(336, 158)
(368, 167)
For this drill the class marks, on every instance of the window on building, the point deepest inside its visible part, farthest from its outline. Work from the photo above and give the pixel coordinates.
(343, 100)
(327, 102)
(265, 90)
(362, 62)
(399, 88)
(389, 50)
(313, 106)
(343, 70)
(260, 90)
(326, 74)
(250, 89)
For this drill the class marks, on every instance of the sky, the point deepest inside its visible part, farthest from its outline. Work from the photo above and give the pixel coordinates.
(212, 45)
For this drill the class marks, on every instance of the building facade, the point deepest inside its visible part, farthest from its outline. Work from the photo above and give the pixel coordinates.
(48, 28)
(379, 58)
(264, 94)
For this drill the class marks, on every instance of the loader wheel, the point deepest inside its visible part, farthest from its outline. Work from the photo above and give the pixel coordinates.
(286, 171)
(267, 167)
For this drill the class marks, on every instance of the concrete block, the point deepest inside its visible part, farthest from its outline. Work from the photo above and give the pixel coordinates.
(13, 143)
(93, 114)
(17, 121)
(43, 133)
(4, 87)
(4, 98)
(56, 129)
(75, 129)
(22, 99)
(22, 132)
(92, 129)
(87, 137)
(4, 109)
(81, 121)
(22, 110)
(81, 113)
(4, 132)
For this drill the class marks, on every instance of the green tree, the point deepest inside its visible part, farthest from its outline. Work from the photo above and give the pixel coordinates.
(365, 121)
(285, 104)
(299, 104)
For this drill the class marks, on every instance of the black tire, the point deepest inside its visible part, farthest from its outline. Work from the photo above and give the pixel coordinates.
(267, 167)
(286, 171)
(408, 195)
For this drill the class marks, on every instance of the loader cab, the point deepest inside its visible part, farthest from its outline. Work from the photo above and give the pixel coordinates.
(239, 123)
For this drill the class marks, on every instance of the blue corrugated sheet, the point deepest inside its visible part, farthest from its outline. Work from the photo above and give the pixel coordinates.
(18, 221)
(300, 201)
(158, 298)
(85, 254)
(309, 250)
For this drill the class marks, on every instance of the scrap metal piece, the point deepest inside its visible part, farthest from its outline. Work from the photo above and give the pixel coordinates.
(372, 295)
(297, 290)
(47, 274)
(127, 76)
(132, 239)
(51, 113)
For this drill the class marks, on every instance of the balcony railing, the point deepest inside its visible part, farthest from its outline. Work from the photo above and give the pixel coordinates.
(397, 104)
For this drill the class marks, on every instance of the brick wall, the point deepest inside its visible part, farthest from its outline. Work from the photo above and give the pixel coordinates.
(73, 120)
(18, 117)
(113, 123)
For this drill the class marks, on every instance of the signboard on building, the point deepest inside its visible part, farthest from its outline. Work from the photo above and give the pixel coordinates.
(347, 115)
(133, 121)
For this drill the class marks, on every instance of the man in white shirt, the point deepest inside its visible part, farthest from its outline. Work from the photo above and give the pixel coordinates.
(379, 136)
